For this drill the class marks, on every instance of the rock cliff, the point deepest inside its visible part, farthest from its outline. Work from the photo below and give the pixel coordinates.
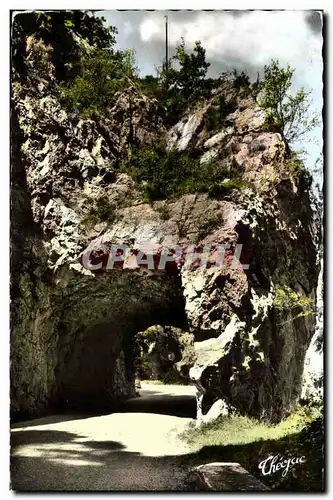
(72, 328)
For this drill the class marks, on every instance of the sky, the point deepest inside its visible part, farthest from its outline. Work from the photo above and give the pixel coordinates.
(245, 40)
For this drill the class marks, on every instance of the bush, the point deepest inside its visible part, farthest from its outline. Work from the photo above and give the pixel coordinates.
(152, 350)
(163, 174)
(241, 80)
(215, 116)
(99, 210)
(183, 81)
(287, 300)
(60, 30)
(101, 74)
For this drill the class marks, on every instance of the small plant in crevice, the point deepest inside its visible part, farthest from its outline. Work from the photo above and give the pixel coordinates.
(226, 186)
(298, 172)
(287, 300)
(164, 211)
(216, 115)
(207, 227)
(99, 210)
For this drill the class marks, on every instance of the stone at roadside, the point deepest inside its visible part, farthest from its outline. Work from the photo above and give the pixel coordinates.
(221, 476)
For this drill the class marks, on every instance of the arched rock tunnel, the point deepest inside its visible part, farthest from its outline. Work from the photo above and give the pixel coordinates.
(101, 315)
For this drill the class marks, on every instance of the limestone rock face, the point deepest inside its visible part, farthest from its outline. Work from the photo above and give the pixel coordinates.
(218, 409)
(73, 327)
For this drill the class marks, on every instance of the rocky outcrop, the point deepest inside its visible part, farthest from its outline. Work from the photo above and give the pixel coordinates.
(73, 328)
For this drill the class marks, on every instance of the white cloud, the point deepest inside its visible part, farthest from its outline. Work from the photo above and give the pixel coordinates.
(149, 30)
(256, 36)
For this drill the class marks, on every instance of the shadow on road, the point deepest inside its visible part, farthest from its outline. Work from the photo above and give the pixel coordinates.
(74, 464)
(55, 419)
(164, 400)
(178, 406)
(86, 465)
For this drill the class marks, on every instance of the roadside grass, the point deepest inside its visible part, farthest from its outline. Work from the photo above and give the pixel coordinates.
(164, 382)
(248, 442)
(152, 382)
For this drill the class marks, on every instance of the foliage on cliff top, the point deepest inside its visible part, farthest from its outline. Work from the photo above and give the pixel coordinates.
(288, 112)
(100, 75)
(60, 30)
(83, 53)
(91, 72)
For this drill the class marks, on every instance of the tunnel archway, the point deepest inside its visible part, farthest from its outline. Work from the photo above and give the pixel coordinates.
(95, 369)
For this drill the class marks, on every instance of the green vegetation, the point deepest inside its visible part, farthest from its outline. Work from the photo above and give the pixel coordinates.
(287, 300)
(90, 73)
(101, 74)
(215, 116)
(99, 210)
(207, 227)
(222, 188)
(242, 83)
(181, 83)
(287, 112)
(298, 172)
(163, 174)
(153, 382)
(151, 354)
(143, 342)
(248, 442)
(59, 29)
(189, 79)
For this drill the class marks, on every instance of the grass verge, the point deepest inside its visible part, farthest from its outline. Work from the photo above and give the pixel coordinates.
(248, 442)
(152, 382)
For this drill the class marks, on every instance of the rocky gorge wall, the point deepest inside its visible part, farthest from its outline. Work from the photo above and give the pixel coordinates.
(72, 328)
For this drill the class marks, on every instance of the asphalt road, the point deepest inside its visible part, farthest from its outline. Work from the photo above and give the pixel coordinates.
(135, 449)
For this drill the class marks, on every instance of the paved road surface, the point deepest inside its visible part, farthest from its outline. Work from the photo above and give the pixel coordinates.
(136, 449)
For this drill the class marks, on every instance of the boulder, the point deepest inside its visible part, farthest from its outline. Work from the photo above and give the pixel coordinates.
(223, 476)
(219, 408)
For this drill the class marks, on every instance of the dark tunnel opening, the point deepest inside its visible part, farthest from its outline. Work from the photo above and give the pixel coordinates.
(98, 374)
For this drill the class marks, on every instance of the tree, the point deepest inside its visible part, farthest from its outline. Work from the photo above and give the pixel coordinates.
(189, 79)
(287, 112)
(184, 80)
(102, 73)
(62, 30)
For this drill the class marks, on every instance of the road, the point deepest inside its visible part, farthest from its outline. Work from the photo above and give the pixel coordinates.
(135, 449)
